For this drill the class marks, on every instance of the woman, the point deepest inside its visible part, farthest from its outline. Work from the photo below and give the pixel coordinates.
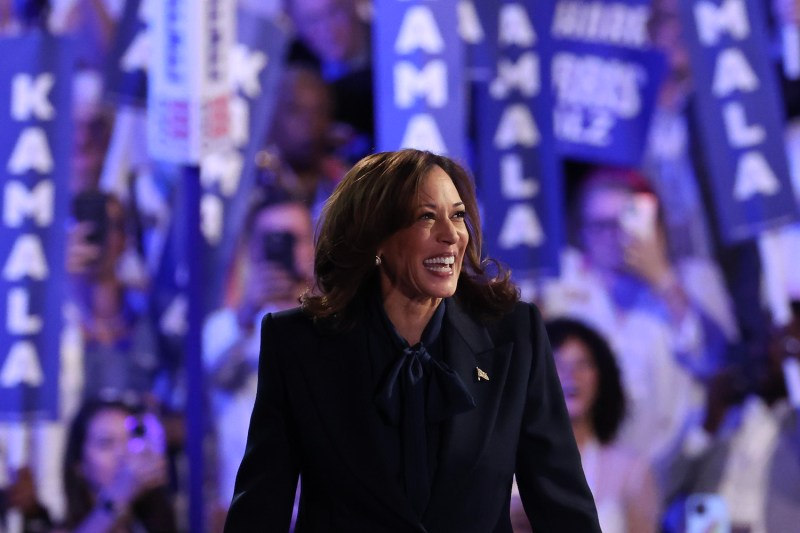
(668, 320)
(411, 385)
(115, 471)
(622, 482)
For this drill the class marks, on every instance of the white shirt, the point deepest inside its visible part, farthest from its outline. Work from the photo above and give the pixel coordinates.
(745, 478)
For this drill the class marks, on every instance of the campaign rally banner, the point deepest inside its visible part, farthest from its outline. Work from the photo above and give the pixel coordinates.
(476, 19)
(738, 107)
(419, 77)
(228, 176)
(126, 77)
(519, 176)
(189, 94)
(606, 78)
(35, 147)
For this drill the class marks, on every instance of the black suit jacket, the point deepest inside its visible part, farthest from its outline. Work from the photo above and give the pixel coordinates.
(315, 394)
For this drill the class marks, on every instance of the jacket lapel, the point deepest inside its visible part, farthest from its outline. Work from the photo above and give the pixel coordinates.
(469, 351)
(340, 379)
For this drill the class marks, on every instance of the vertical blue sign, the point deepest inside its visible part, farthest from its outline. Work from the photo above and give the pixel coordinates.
(519, 174)
(605, 79)
(419, 81)
(126, 77)
(35, 147)
(477, 20)
(228, 175)
(739, 114)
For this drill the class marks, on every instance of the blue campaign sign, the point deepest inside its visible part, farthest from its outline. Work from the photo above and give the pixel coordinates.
(738, 106)
(519, 176)
(477, 22)
(228, 176)
(419, 77)
(605, 79)
(126, 76)
(35, 146)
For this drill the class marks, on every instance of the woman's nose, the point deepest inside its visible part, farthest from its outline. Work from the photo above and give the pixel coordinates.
(448, 232)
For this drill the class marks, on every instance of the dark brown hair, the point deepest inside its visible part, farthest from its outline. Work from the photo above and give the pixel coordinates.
(610, 405)
(375, 200)
(152, 509)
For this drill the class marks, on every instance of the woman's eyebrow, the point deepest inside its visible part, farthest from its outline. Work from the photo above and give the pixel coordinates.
(433, 206)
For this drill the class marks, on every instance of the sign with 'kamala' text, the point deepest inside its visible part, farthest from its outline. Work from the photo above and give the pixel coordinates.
(739, 114)
(606, 77)
(35, 146)
(519, 176)
(419, 80)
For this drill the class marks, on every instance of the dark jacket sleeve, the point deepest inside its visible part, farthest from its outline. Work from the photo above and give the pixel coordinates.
(267, 477)
(551, 483)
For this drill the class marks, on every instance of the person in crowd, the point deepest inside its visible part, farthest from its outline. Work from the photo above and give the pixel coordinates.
(299, 157)
(119, 347)
(93, 121)
(93, 23)
(20, 496)
(335, 38)
(278, 268)
(622, 482)
(115, 471)
(678, 169)
(411, 385)
(668, 322)
(743, 449)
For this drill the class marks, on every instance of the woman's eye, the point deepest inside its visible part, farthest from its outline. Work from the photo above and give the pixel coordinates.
(460, 214)
(427, 216)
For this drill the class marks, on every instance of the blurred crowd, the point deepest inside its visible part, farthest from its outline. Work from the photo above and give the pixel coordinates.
(672, 365)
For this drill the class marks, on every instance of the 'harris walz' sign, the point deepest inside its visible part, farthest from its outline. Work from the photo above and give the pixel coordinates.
(519, 175)
(739, 115)
(35, 143)
(605, 79)
(419, 77)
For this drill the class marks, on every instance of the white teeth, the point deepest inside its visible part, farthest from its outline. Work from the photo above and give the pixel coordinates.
(444, 260)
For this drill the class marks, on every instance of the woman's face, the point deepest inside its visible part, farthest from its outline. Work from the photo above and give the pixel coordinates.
(290, 218)
(578, 375)
(601, 231)
(423, 260)
(106, 445)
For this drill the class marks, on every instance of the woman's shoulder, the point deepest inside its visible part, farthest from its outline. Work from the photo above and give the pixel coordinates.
(521, 319)
(288, 320)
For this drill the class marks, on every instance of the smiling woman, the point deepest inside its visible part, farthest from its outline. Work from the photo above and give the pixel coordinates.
(412, 384)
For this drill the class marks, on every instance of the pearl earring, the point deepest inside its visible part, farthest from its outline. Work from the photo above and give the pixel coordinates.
(378, 261)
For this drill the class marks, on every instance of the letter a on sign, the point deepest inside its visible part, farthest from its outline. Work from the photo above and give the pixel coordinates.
(419, 31)
(21, 366)
(754, 176)
(521, 227)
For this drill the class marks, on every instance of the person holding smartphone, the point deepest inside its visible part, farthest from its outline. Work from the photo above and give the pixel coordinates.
(668, 321)
(277, 266)
(738, 461)
(115, 470)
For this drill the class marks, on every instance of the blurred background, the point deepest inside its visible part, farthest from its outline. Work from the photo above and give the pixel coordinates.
(164, 163)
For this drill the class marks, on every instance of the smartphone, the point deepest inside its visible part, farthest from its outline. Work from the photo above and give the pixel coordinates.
(137, 433)
(90, 206)
(279, 249)
(707, 513)
(638, 217)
